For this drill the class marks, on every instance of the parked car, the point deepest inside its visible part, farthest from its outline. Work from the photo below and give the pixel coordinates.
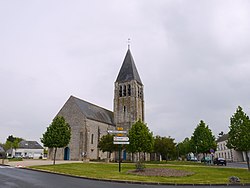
(220, 161)
(191, 157)
(206, 160)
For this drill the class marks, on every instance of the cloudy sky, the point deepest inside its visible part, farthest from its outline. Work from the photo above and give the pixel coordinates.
(193, 58)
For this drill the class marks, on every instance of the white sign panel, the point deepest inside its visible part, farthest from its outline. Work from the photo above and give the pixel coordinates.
(120, 142)
(117, 132)
(117, 138)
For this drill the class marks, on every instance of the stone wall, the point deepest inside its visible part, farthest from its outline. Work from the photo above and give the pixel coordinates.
(85, 134)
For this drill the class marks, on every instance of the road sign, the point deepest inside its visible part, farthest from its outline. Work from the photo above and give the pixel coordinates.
(117, 132)
(120, 135)
(125, 138)
(120, 142)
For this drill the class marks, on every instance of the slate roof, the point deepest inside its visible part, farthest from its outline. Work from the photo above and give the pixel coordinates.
(222, 138)
(94, 112)
(29, 145)
(128, 70)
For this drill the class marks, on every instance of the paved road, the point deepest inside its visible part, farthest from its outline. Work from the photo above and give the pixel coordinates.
(237, 165)
(11, 177)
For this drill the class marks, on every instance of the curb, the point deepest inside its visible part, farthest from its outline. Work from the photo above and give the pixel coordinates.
(135, 182)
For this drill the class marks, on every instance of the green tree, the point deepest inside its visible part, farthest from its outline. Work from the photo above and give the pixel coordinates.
(239, 132)
(202, 140)
(165, 146)
(57, 135)
(106, 144)
(12, 142)
(140, 138)
(184, 147)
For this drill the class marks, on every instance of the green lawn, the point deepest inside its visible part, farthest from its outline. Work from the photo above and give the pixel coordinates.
(15, 159)
(202, 174)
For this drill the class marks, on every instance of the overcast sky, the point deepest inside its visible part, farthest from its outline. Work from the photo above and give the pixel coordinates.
(193, 58)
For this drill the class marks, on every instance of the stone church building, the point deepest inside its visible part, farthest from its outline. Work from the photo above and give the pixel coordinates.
(90, 122)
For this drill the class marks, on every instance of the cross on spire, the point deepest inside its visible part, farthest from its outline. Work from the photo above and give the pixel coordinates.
(129, 41)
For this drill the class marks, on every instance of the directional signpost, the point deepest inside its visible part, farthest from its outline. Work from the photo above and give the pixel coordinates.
(119, 139)
(117, 132)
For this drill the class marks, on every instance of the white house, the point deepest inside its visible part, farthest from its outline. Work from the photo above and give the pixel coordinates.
(224, 152)
(27, 149)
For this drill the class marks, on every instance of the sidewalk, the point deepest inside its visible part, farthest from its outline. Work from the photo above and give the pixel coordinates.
(31, 162)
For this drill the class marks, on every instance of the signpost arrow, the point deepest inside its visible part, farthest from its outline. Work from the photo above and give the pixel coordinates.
(117, 138)
(117, 132)
(120, 142)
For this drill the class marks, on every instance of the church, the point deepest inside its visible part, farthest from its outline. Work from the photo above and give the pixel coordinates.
(89, 122)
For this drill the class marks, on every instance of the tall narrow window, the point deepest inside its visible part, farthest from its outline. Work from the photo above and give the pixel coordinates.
(141, 93)
(124, 91)
(92, 138)
(138, 92)
(124, 109)
(129, 90)
(120, 91)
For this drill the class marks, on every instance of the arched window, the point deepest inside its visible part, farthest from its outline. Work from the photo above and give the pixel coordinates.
(124, 109)
(120, 91)
(141, 93)
(92, 138)
(124, 91)
(129, 90)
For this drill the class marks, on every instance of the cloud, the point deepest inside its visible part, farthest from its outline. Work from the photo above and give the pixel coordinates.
(192, 56)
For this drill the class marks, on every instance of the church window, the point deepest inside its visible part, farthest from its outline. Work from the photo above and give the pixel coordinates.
(138, 92)
(129, 90)
(141, 93)
(120, 91)
(124, 91)
(124, 109)
(92, 138)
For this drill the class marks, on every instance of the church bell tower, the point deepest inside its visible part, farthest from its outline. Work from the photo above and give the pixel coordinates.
(128, 95)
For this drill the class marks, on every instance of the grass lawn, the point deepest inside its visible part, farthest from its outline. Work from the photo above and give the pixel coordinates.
(202, 174)
(15, 159)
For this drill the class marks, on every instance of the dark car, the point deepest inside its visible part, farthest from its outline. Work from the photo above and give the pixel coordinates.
(220, 161)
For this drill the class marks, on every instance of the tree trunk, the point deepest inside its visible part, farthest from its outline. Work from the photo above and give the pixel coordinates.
(54, 162)
(247, 161)
(109, 154)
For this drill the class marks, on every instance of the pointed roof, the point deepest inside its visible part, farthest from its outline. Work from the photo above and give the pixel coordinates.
(222, 138)
(94, 112)
(128, 70)
(29, 145)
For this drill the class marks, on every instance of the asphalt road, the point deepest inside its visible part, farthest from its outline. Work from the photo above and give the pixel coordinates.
(237, 165)
(11, 177)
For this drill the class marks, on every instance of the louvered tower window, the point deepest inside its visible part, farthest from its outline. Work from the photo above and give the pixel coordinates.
(129, 90)
(120, 91)
(124, 91)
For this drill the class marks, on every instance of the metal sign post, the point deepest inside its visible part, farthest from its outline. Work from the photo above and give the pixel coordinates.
(119, 157)
(119, 139)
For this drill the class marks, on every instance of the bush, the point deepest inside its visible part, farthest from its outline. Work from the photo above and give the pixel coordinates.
(139, 166)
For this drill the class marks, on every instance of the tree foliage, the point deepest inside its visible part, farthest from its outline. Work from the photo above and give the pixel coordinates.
(239, 132)
(106, 144)
(202, 139)
(57, 135)
(12, 142)
(165, 146)
(184, 147)
(140, 138)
